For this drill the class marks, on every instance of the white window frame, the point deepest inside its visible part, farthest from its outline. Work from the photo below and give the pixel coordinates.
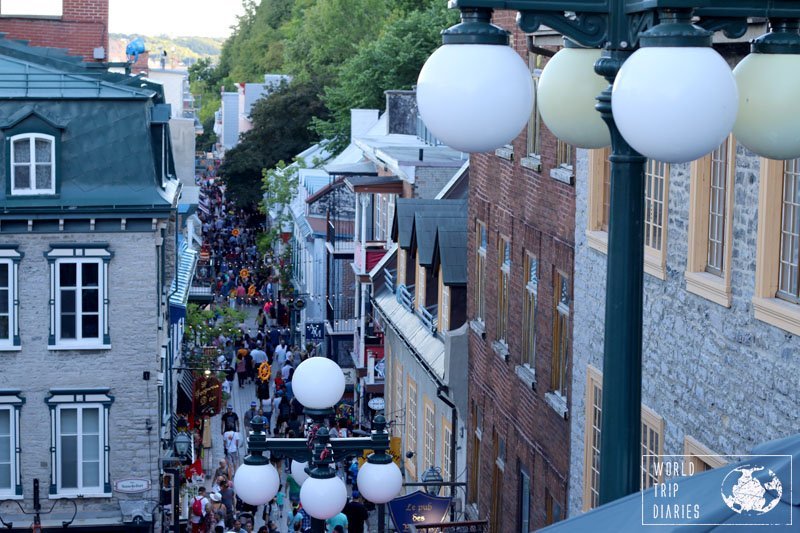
(79, 254)
(11, 401)
(31, 191)
(10, 256)
(80, 399)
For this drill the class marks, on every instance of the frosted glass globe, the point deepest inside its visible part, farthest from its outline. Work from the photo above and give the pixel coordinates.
(256, 484)
(674, 104)
(379, 483)
(299, 472)
(475, 97)
(566, 95)
(768, 122)
(323, 498)
(318, 383)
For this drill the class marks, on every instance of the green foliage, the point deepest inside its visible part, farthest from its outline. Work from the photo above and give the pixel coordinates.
(202, 327)
(392, 61)
(186, 49)
(280, 130)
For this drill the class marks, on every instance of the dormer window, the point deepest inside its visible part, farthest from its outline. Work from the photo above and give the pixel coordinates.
(33, 164)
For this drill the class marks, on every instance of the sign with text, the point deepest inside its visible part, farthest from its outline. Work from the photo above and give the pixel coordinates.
(132, 486)
(315, 331)
(418, 508)
(207, 396)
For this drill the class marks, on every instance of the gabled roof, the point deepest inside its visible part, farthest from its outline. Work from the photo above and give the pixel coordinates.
(26, 111)
(451, 253)
(325, 190)
(450, 215)
(403, 222)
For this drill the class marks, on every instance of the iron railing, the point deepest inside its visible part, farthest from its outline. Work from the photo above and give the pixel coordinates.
(405, 295)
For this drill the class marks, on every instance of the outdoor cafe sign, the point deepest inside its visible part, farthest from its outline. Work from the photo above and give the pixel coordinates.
(418, 508)
(207, 396)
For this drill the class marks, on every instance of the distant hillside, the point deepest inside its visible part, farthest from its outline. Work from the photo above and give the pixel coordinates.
(181, 51)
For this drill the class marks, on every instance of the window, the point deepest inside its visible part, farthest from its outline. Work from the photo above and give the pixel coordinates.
(552, 508)
(33, 164)
(563, 154)
(652, 445)
(480, 270)
(9, 297)
(558, 382)
(79, 444)
(379, 214)
(411, 427)
(420, 297)
(529, 311)
(399, 401)
(503, 276)
(708, 270)
(401, 266)
(79, 297)
(496, 516)
(444, 304)
(473, 487)
(599, 199)
(652, 441)
(700, 457)
(789, 271)
(533, 160)
(777, 291)
(430, 435)
(10, 475)
(656, 177)
(524, 518)
(447, 462)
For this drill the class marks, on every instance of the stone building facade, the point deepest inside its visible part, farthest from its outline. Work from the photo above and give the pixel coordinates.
(87, 252)
(520, 253)
(720, 374)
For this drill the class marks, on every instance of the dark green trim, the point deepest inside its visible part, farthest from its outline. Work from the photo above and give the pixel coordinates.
(79, 246)
(676, 30)
(25, 113)
(783, 38)
(476, 28)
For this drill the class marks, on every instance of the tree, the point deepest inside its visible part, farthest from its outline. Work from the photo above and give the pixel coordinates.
(280, 131)
(392, 61)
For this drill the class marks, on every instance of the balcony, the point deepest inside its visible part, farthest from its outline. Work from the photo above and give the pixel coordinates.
(405, 295)
(367, 255)
(429, 319)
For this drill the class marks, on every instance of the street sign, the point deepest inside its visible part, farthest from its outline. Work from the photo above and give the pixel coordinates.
(377, 403)
(418, 508)
(315, 331)
(132, 486)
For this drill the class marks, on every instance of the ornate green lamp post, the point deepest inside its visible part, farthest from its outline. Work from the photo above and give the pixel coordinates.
(318, 384)
(669, 96)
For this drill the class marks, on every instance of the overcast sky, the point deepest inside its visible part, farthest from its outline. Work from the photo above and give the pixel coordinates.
(207, 18)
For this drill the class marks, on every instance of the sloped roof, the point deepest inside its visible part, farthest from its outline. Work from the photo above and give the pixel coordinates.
(403, 222)
(451, 215)
(451, 252)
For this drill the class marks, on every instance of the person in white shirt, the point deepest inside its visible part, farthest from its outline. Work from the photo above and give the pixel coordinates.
(276, 405)
(197, 520)
(280, 353)
(286, 370)
(233, 440)
(259, 355)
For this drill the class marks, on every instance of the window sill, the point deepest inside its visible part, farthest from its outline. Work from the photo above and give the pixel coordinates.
(506, 152)
(527, 375)
(478, 327)
(598, 240)
(563, 174)
(781, 314)
(532, 162)
(10, 348)
(501, 349)
(10, 496)
(709, 286)
(654, 264)
(558, 403)
(79, 496)
(75, 347)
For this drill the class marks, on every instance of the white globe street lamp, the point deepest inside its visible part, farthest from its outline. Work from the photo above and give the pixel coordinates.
(323, 498)
(318, 383)
(298, 471)
(256, 484)
(379, 482)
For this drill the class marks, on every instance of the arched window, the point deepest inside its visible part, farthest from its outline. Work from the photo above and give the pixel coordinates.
(33, 164)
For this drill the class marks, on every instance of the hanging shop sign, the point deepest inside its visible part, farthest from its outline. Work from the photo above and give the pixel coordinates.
(207, 396)
(131, 486)
(418, 508)
(315, 332)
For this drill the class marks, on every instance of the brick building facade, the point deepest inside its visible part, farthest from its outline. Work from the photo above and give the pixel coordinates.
(81, 27)
(520, 253)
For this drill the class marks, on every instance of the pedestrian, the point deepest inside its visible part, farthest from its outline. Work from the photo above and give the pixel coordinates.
(241, 371)
(216, 512)
(233, 441)
(286, 369)
(279, 500)
(357, 514)
(224, 469)
(249, 415)
(230, 420)
(340, 520)
(197, 511)
(227, 494)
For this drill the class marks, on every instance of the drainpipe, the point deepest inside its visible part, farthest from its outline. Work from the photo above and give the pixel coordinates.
(441, 393)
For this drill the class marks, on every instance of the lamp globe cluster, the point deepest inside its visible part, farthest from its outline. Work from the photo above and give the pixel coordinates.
(256, 484)
(323, 498)
(379, 483)
(674, 99)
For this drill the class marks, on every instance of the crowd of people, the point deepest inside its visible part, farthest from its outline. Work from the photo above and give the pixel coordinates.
(260, 355)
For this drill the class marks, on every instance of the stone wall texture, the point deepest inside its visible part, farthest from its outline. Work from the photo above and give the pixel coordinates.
(714, 373)
(135, 348)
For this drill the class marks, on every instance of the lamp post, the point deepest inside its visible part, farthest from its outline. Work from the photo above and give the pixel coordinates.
(318, 384)
(674, 100)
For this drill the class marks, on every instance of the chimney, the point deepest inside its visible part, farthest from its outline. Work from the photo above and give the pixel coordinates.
(140, 66)
(401, 107)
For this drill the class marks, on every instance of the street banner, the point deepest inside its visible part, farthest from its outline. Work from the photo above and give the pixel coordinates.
(417, 508)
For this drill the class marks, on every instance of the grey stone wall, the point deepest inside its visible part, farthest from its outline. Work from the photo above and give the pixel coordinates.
(134, 451)
(428, 181)
(714, 373)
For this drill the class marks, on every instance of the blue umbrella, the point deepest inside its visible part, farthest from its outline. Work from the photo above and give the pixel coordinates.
(744, 495)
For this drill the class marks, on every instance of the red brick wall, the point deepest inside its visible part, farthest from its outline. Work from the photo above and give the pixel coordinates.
(538, 214)
(82, 27)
